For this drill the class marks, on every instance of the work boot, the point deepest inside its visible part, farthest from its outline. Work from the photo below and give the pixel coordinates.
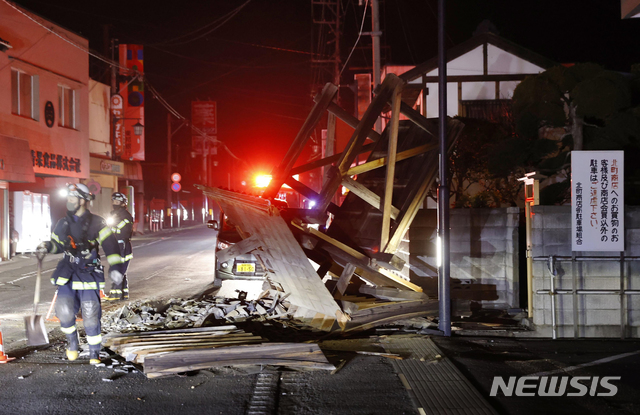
(114, 296)
(73, 346)
(94, 356)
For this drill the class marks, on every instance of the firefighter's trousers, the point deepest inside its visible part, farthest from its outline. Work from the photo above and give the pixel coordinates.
(120, 289)
(68, 304)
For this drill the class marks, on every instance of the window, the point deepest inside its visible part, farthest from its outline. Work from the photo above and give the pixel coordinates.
(67, 107)
(24, 94)
(494, 110)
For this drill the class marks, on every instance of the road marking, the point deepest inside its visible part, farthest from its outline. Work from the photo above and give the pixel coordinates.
(25, 276)
(197, 253)
(157, 272)
(594, 363)
(151, 243)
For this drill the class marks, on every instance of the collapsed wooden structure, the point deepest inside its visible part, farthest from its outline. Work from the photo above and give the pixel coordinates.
(169, 352)
(366, 230)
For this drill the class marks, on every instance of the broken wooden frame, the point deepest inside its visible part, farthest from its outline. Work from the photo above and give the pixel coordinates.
(395, 219)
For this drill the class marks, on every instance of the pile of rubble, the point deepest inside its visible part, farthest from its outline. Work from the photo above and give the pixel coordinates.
(179, 313)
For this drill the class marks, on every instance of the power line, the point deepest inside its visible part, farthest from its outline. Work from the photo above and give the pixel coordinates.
(364, 15)
(87, 51)
(227, 17)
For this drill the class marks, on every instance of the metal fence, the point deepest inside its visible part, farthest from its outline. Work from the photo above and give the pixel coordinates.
(552, 261)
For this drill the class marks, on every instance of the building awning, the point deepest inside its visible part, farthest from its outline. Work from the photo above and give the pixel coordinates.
(132, 170)
(16, 164)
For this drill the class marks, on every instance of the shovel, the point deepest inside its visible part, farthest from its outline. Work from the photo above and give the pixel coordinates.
(36, 331)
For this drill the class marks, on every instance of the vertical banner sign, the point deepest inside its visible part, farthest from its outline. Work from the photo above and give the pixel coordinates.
(132, 91)
(597, 200)
(204, 117)
(117, 113)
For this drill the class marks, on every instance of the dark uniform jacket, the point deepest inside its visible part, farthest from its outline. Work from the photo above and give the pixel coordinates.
(80, 238)
(122, 229)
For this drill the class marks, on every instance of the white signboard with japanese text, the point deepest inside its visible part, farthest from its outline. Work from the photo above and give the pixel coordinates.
(597, 200)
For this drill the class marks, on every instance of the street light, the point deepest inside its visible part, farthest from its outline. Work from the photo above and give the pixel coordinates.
(138, 129)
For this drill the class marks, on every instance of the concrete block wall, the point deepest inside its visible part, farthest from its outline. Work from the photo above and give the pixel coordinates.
(598, 314)
(484, 255)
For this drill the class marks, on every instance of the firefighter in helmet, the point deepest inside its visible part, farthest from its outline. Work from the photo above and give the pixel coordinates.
(79, 275)
(121, 223)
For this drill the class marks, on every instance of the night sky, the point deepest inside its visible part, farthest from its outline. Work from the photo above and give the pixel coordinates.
(257, 64)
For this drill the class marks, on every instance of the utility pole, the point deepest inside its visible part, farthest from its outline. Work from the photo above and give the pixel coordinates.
(444, 288)
(375, 38)
(326, 60)
(168, 176)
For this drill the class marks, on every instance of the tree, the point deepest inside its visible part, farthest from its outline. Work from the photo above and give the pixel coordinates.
(595, 109)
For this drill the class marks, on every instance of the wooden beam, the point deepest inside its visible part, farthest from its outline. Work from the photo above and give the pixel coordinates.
(367, 195)
(408, 214)
(309, 193)
(345, 277)
(244, 246)
(417, 118)
(377, 163)
(350, 120)
(357, 139)
(392, 149)
(327, 160)
(282, 171)
(332, 241)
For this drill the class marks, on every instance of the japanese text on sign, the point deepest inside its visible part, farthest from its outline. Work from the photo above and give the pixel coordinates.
(597, 200)
(55, 161)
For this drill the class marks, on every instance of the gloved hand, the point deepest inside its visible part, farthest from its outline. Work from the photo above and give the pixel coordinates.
(116, 276)
(42, 250)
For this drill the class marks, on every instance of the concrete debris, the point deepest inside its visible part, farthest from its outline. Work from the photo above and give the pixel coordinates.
(176, 313)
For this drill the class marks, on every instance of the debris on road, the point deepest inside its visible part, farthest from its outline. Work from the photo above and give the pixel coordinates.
(291, 355)
(169, 352)
(178, 313)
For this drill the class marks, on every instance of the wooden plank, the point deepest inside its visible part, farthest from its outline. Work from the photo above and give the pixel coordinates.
(282, 171)
(129, 340)
(110, 337)
(398, 279)
(345, 277)
(377, 163)
(367, 195)
(396, 99)
(244, 246)
(332, 241)
(187, 341)
(392, 294)
(416, 118)
(327, 160)
(357, 140)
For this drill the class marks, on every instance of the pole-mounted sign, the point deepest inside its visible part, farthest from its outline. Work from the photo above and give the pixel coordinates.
(175, 178)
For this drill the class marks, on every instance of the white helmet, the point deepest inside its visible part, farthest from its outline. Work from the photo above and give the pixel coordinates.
(121, 197)
(80, 190)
